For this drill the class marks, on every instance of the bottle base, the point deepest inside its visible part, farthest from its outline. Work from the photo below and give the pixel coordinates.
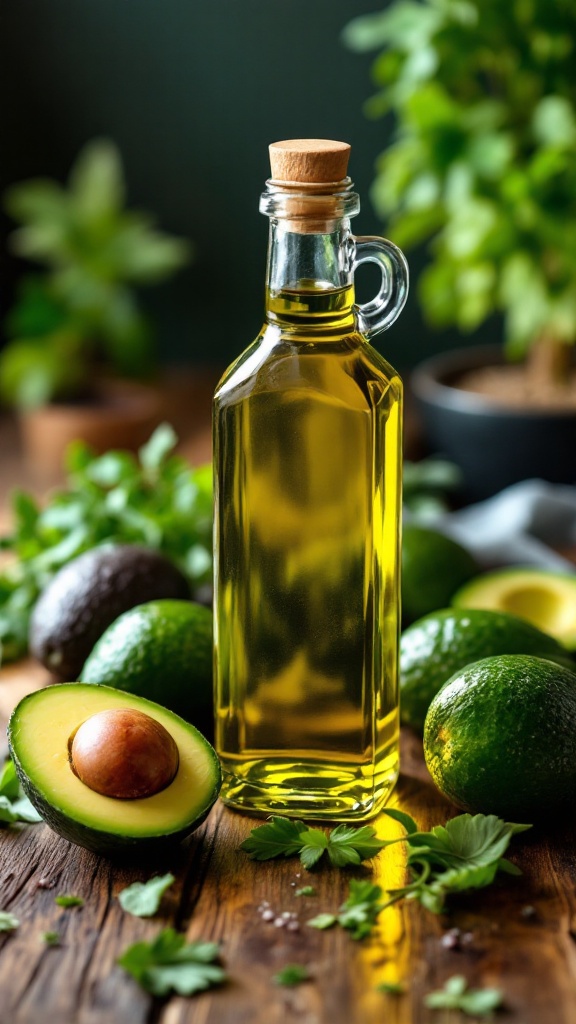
(307, 790)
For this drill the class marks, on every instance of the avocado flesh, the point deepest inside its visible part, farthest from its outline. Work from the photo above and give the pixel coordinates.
(546, 599)
(39, 731)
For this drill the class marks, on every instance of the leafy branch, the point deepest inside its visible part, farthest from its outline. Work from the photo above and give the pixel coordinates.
(464, 854)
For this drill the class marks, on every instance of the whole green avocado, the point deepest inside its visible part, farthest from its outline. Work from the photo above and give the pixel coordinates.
(444, 642)
(89, 593)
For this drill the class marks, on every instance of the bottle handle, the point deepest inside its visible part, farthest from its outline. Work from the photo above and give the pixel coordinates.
(381, 311)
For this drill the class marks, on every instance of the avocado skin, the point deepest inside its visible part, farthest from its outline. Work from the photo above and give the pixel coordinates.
(88, 594)
(105, 844)
(500, 738)
(444, 642)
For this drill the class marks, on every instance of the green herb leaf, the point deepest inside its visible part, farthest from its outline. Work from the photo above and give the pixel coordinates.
(352, 845)
(142, 899)
(292, 974)
(360, 911)
(14, 805)
(51, 938)
(7, 815)
(314, 843)
(9, 785)
(322, 921)
(306, 890)
(457, 996)
(170, 964)
(155, 451)
(8, 923)
(282, 837)
(391, 988)
(69, 901)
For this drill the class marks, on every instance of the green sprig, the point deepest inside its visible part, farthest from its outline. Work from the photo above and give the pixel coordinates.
(466, 853)
(456, 995)
(281, 837)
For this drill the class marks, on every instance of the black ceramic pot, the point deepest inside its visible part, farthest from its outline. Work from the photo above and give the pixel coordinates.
(494, 446)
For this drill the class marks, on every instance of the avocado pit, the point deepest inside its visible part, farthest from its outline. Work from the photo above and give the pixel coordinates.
(123, 753)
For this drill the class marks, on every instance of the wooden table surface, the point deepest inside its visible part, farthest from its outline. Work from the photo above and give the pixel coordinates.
(531, 956)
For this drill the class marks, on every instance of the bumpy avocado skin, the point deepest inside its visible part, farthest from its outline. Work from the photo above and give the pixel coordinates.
(444, 642)
(89, 593)
(500, 738)
(103, 843)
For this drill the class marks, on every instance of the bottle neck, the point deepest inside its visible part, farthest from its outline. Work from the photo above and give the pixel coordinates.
(309, 281)
(309, 278)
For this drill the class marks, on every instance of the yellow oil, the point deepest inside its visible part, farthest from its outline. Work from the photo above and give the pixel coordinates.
(307, 433)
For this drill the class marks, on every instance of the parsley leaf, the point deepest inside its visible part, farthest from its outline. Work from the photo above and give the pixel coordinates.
(8, 923)
(281, 837)
(358, 913)
(306, 890)
(292, 974)
(9, 785)
(457, 996)
(322, 921)
(170, 964)
(69, 901)
(14, 805)
(51, 938)
(142, 899)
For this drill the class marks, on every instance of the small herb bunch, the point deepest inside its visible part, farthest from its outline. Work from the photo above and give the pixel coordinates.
(155, 499)
(466, 853)
(83, 315)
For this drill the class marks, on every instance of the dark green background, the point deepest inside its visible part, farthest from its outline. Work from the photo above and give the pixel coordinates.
(193, 93)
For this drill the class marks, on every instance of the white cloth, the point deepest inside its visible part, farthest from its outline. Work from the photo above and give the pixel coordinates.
(520, 526)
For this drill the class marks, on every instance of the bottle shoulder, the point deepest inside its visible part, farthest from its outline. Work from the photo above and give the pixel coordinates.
(275, 361)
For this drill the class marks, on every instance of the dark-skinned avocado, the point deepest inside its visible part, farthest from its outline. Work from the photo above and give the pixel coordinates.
(89, 593)
(42, 733)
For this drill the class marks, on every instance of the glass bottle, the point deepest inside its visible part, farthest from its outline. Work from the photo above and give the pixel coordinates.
(307, 466)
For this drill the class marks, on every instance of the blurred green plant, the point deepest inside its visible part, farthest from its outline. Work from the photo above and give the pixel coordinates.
(482, 165)
(427, 486)
(82, 316)
(155, 499)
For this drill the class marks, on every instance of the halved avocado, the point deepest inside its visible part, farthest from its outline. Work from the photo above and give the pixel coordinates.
(546, 599)
(39, 733)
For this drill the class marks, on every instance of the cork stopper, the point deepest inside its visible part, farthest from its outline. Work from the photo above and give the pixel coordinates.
(309, 160)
